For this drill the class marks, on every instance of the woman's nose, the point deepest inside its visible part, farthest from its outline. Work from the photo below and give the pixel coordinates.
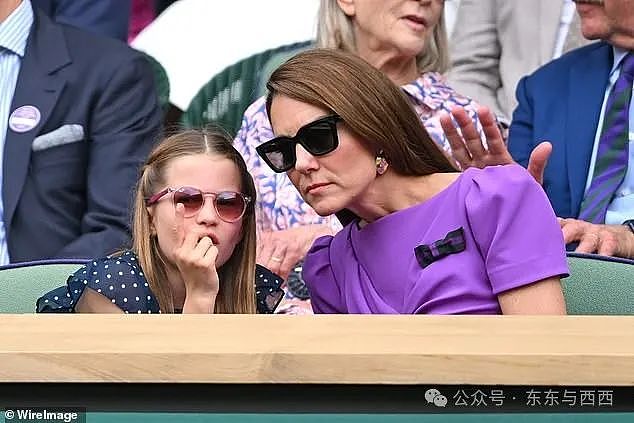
(304, 161)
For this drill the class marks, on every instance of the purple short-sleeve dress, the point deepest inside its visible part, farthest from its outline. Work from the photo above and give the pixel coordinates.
(490, 231)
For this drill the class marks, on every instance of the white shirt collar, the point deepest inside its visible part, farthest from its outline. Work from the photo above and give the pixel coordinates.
(15, 29)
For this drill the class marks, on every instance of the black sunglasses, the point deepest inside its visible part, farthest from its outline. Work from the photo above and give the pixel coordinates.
(318, 138)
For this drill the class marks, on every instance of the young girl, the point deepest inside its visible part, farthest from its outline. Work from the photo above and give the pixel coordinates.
(193, 240)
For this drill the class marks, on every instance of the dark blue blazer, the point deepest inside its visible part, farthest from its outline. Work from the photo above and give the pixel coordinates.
(561, 103)
(73, 199)
(106, 17)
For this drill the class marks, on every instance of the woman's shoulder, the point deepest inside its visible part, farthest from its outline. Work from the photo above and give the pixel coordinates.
(501, 187)
(503, 177)
(327, 249)
(324, 244)
(325, 269)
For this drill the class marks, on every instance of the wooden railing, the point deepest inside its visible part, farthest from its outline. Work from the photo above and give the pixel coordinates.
(508, 350)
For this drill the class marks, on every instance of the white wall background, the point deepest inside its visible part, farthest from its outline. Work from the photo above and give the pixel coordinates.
(195, 39)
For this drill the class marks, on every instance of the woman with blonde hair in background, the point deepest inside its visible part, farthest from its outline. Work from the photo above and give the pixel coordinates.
(194, 240)
(404, 39)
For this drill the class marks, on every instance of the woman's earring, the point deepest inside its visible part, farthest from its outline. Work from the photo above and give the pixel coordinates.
(381, 165)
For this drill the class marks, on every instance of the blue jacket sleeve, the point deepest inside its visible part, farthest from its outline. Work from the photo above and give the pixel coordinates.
(124, 125)
(521, 137)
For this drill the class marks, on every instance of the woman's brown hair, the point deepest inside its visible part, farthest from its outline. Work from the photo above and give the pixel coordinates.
(237, 275)
(368, 102)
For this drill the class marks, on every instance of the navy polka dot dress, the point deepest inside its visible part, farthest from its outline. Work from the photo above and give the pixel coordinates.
(121, 280)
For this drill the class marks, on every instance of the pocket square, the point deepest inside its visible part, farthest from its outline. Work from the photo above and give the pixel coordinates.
(452, 243)
(65, 134)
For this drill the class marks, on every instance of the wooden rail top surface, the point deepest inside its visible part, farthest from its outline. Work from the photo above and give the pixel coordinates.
(510, 350)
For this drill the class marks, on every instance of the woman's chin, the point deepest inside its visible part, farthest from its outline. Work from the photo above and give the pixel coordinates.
(323, 209)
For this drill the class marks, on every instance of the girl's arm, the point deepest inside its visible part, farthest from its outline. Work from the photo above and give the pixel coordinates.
(93, 302)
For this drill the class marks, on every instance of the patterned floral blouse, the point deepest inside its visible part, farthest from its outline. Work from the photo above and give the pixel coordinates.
(279, 205)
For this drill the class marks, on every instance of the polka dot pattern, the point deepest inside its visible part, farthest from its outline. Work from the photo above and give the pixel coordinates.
(120, 284)
(268, 290)
(126, 287)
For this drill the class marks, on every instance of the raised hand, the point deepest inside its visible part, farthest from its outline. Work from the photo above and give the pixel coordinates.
(466, 145)
(468, 150)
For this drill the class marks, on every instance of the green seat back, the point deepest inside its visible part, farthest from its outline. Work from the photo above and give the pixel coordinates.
(223, 100)
(162, 82)
(596, 286)
(22, 284)
(274, 62)
(599, 285)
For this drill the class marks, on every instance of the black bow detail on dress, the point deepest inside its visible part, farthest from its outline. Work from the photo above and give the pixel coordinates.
(453, 242)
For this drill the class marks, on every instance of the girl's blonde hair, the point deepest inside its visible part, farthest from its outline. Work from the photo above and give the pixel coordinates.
(237, 275)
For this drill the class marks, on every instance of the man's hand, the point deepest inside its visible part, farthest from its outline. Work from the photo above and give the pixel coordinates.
(467, 148)
(607, 240)
(279, 251)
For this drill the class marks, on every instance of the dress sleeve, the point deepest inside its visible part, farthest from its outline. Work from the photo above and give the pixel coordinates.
(318, 273)
(119, 279)
(514, 227)
(268, 290)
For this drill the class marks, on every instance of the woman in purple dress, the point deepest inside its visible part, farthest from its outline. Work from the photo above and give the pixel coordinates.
(420, 237)
(404, 39)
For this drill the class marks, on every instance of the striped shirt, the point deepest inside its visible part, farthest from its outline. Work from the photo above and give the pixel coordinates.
(14, 32)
